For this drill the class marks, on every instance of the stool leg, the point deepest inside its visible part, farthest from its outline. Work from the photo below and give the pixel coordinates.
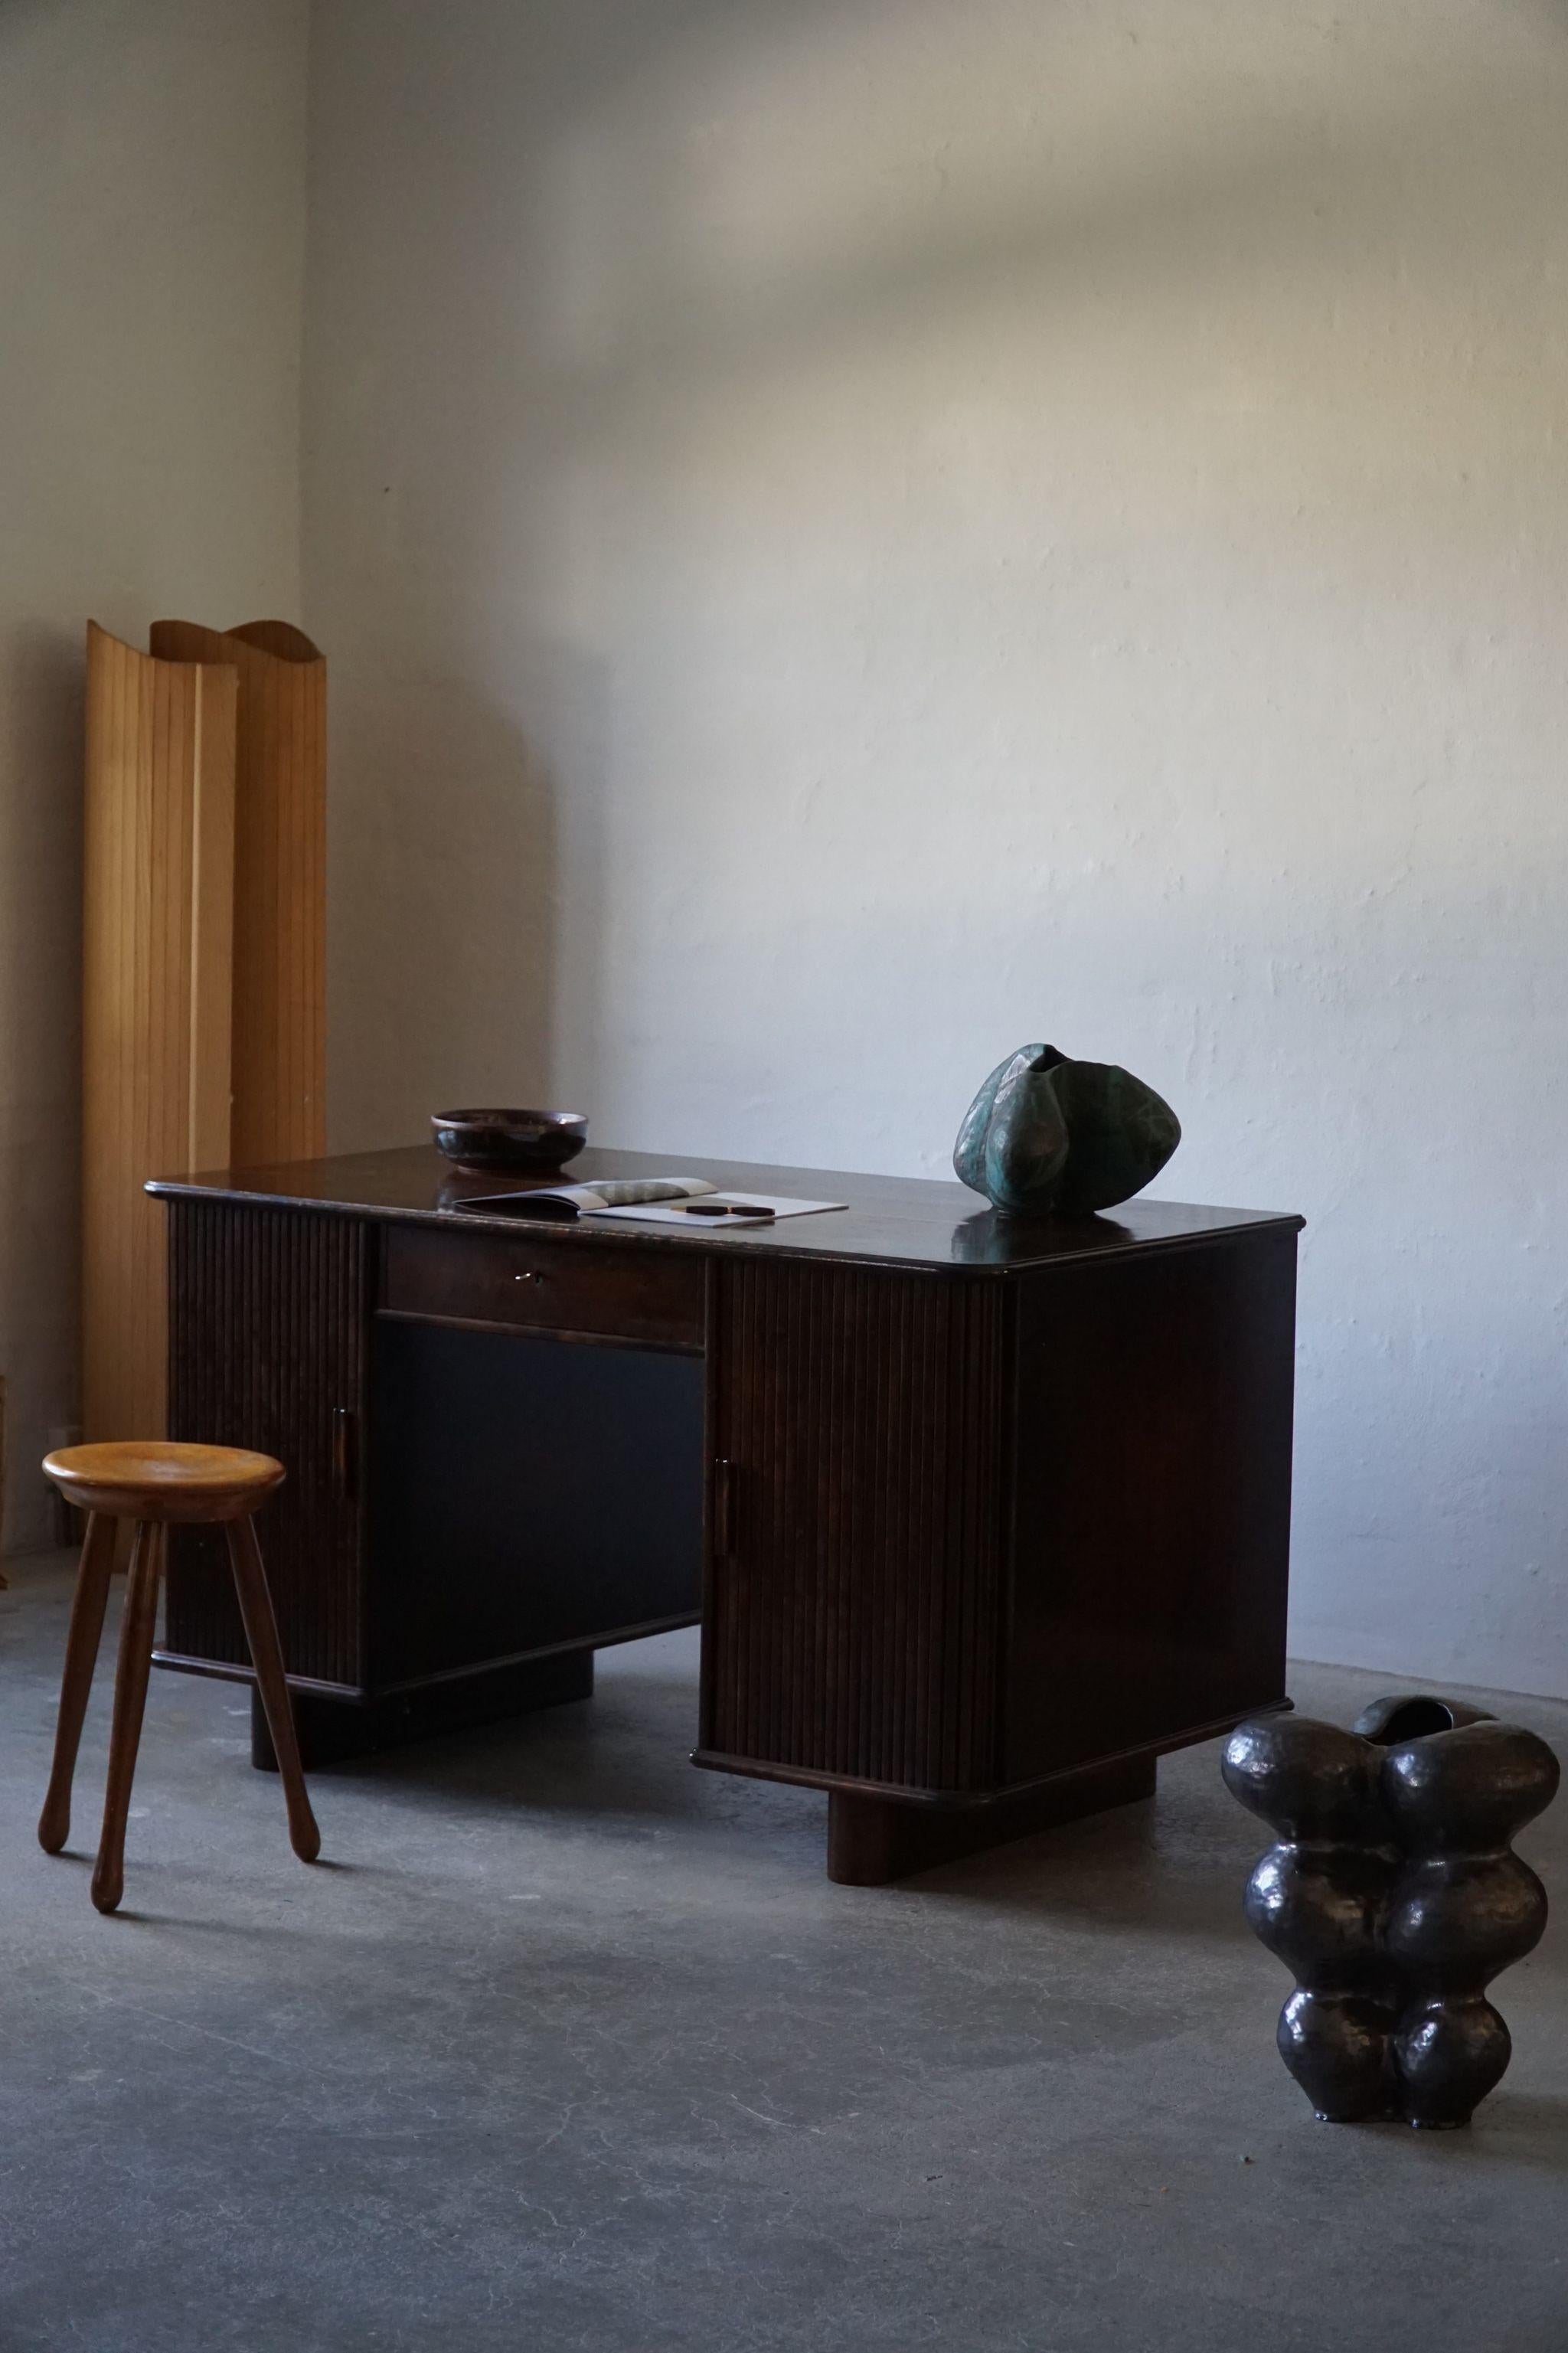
(137, 1627)
(267, 1653)
(82, 1651)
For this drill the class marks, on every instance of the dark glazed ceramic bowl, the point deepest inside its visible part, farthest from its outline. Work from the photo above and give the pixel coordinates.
(538, 1140)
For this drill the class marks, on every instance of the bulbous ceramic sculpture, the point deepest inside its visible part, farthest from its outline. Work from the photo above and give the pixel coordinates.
(1047, 1134)
(1393, 1898)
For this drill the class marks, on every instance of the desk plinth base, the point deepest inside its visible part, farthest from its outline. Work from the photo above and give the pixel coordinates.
(873, 1840)
(331, 1731)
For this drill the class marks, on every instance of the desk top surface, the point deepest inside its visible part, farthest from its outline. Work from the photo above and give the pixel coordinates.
(892, 1221)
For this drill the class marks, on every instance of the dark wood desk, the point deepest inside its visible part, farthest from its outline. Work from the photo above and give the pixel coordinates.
(978, 1516)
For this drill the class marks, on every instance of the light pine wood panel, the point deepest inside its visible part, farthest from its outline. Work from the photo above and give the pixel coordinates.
(279, 905)
(157, 919)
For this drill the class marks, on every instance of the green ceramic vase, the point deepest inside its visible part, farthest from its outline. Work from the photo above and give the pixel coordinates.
(1046, 1134)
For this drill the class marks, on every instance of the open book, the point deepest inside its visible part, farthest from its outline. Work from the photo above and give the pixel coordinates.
(691, 1201)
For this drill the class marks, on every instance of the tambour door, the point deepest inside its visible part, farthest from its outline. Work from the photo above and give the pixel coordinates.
(268, 1314)
(859, 1432)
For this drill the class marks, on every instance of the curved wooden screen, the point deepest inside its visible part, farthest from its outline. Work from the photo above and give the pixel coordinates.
(280, 882)
(159, 895)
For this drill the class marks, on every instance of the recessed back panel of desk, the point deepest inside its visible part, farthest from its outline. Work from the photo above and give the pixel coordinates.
(527, 1492)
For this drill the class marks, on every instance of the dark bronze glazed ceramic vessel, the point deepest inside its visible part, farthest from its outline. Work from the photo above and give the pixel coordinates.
(1047, 1134)
(1393, 1897)
(537, 1141)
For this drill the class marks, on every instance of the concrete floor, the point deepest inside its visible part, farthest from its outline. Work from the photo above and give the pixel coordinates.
(575, 2047)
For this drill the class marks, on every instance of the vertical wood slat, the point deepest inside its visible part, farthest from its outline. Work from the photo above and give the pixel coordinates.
(158, 888)
(268, 1343)
(279, 898)
(854, 1627)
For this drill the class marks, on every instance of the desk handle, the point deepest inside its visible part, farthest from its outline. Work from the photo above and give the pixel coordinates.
(723, 1508)
(342, 1454)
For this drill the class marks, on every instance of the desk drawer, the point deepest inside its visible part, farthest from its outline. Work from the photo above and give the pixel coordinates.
(604, 1289)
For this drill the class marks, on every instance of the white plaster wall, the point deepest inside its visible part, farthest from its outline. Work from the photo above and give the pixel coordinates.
(855, 533)
(151, 258)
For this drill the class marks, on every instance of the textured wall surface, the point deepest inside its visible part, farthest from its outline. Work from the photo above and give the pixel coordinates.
(152, 257)
(853, 532)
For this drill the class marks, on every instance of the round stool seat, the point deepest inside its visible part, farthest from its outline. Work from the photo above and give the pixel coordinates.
(156, 1479)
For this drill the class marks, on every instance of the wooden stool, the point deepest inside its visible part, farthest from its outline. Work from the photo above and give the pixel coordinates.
(153, 1485)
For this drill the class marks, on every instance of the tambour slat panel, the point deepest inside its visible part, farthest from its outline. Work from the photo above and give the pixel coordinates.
(158, 876)
(280, 882)
(854, 1624)
(268, 1341)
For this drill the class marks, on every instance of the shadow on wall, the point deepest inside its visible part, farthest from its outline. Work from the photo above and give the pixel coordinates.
(649, 295)
(625, 277)
(475, 915)
(40, 1024)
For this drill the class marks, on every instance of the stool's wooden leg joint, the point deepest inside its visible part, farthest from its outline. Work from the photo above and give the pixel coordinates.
(82, 1652)
(267, 1654)
(137, 1627)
